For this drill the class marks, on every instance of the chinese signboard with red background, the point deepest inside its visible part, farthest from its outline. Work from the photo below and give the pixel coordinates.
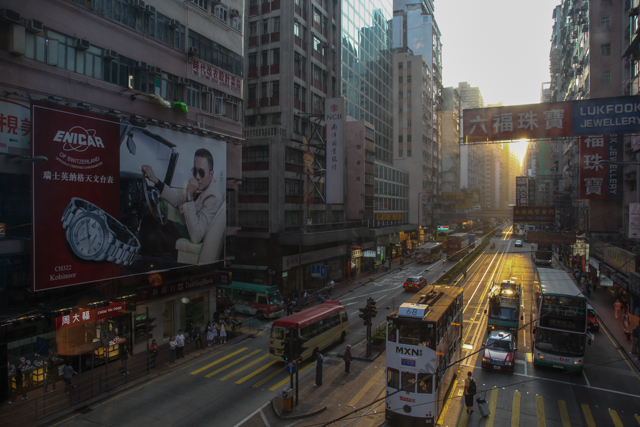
(547, 237)
(599, 181)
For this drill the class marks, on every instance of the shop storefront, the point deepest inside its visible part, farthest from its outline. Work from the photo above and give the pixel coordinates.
(334, 258)
(356, 258)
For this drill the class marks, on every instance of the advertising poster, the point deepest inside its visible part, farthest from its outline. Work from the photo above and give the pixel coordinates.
(96, 216)
(597, 180)
(334, 122)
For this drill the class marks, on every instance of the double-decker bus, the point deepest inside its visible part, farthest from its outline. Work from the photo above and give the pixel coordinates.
(250, 298)
(458, 246)
(429, 252)
(504, 306)
(424, 336)
(323, 325)
(543, 255)
(560, 334)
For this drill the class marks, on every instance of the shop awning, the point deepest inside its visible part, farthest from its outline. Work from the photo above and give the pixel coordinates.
(605, 281)
(248, 267)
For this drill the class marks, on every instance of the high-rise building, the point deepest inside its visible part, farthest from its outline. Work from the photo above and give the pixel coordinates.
(472, 157)
(450, 125)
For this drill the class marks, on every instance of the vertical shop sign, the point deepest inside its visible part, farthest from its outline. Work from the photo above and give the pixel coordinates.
(334, 122)
(599, 180)
(522, 198)
(634, 220)
(15, 124)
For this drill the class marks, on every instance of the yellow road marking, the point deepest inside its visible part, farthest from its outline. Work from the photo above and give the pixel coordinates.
(515, 410)
(587, 416)
(464, 418)
(244, 367)
(493, 403)
(542, 422)
(616, 419)
(529, 357)
(448, 401)
(637, 418)
(281, 383)
(256, 372)
(564, 413)
(204, 368)
(228, 365)
(621, 354)
(366, 388)
(267, 378)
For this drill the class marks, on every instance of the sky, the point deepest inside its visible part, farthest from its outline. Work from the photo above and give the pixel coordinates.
(499, 46)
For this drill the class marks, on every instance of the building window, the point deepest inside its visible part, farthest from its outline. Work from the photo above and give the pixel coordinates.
(200, 3)
(265, 58)
(400, 65)
(408, 94)
(400, 109)
(276, 24)
(253, 218)
(292, 187)
(400, 137)
(400, 152)
(605, 77)
(296, 30)
(220, 12)
(605, 49)
(317, 44)
(215, 54)
(236, 23)
(255, 186)
(400, 80)
(275, 89)
(408, 153)
(265, 26)
(408, 123)
(255, 154)
(409, 78)
(293, 156)
(253, 29)
(253, 60)
(317, 102)
(317, 18)
(400, 94)
(408, 138)
(605, 23)
(276, 56)
(194, 96)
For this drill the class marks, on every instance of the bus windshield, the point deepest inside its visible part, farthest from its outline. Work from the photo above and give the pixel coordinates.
(560, 343)
(275, 297)
(412, 333)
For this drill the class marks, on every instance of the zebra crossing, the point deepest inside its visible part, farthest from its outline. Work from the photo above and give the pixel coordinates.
(527, 409)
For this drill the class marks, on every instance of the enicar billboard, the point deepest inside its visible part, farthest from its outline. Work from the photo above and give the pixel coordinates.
(116, 199)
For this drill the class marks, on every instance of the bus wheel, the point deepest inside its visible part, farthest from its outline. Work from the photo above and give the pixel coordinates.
(342, 337)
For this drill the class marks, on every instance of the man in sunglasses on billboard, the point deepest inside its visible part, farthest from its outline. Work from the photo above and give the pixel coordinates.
(197, 203)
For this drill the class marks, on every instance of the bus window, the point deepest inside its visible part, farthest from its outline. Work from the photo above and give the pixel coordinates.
(335, 320)
(393, 378)
(408, 382)
(409, 334)
(262, 299)
(392, 332)
(430, 335)
(277, 333)
(345, 319)
(425, 383)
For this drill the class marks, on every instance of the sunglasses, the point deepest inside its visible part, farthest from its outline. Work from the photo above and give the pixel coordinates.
(197, 172)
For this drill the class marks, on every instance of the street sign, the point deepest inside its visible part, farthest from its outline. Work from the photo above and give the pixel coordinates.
(291, 368)
(318, 271)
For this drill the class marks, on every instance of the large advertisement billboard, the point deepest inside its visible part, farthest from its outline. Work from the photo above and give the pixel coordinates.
(597, 180)
(334, 122)
(96, 216)
(534, 214)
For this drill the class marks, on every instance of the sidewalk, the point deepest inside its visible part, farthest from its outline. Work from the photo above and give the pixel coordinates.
(602, 302)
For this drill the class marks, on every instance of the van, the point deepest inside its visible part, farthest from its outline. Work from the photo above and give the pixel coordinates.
(476, 207)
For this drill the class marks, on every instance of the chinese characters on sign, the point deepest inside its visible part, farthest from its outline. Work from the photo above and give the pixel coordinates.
(388, 217)
(216, 75)
(597, 180)
(521, 191)
(547, 237)
(82, 316)
(15, 125)
(334, 122)
(534, 214)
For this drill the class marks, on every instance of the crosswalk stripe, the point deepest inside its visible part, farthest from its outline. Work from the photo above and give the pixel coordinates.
(542, 422)
(256, 372)
(587, 415)
(226, 377)
(637, 418)
(616, 419)
(204, 368)
(530, 357)
(228, 365)
(366, 388)
(267, 378)
(493, 403)
(564, 413)
(515, 410)
(281, 383)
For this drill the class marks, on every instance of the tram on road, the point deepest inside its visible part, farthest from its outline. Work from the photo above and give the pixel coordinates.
(560, 333)
(504, 306)
(424, 336)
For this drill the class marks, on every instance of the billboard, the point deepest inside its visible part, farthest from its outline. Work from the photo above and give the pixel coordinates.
(534, 214)
(97, 217)
(552, 119)
(522, 197)
(454, 216)
(549, 237)
(599, 181)
(334, 118)
(15, 124)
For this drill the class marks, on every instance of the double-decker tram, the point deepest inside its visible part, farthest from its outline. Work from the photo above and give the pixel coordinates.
(424, 336)
(560, 334)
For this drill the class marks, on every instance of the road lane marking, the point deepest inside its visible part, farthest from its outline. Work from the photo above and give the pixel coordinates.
(228, 365)
(204, 368)
(252, 414)
(585, 378)
(256, 372)
(637, 418)
(493, 403)
(564, 413)
(617, 422)
(542, 422)
(587, 415)
(578, 385)
(267, 378)
(281, 383)
(530, 357)
(366, 388)
(515, 410)
(226, 377)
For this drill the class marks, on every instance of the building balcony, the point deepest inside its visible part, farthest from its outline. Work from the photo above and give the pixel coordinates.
(317, 234)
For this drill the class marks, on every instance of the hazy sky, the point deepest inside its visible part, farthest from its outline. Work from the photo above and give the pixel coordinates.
(500, 46)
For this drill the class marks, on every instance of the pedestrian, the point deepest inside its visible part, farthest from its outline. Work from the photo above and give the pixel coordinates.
(197, 336)
(305, 298)
(173, 345)
(289, 307)
(625, 320)
(469, 391)
(19, 387)
(188, 332)
(636, 337)
(616, 307)
(153, 353)
(69, 372)
(347, 359)
(223, 333)
(209, 330)
(319, 360)
(214, 330)
(180, 349)
(124, 358)
(51, 375)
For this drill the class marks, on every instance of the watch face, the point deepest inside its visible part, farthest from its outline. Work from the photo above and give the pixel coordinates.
(87, 236)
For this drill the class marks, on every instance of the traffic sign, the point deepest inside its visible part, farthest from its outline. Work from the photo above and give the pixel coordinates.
(318, 270)
(291, 368)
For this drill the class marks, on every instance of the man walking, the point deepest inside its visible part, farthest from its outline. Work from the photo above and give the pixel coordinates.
(197, 336)
(347, 359)
(69, 372)
(180, 342)
(469, 391)
(19, 387)
(319, 360)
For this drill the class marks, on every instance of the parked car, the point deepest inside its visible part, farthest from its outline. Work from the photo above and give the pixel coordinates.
(592, 320)
(414, 283)
(518, 243)
(499, 351)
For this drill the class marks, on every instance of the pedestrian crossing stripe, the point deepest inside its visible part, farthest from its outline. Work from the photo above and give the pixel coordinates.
(542, 422)
(204, 368)
(515, 410)
(366, 388)
(256, 372)
(587, 415)
(281, 383)
(226, 377)
(267, 378)
(617, 422)
(235, 362)
(564, 413)
(493, 404)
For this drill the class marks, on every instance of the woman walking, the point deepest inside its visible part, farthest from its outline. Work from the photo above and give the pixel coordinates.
(209, 334)
(173, 344)
(625, 320)
(223, 333)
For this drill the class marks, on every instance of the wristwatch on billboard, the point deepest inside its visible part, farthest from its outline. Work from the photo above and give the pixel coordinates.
(94, 235)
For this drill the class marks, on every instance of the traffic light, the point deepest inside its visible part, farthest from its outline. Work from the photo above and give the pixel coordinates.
(364, 313)
(372, 308)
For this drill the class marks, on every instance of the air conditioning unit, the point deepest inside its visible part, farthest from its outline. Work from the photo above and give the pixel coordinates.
(235, 12)
(174, 23)
(325, 44)
(34, 26)
(228, 97)
(155, 70)
(10, 16)
(111, 54)
(142, 65)
(149, 10)
(193, 51)
(82, 44)
(138, 4)
(183, 81)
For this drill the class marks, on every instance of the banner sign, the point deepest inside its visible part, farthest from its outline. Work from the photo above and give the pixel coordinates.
(548, 237)
(599, 181)
(15, 124)
(534, 214)
(454, 216)
(522, 197)
(388, 217)
(634, 220)
(93, 220)
(334, 123)
(82, 316)
(216, 75)
(552, 119)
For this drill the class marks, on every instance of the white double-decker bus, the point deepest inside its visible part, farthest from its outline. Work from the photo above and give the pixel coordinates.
(424, 336)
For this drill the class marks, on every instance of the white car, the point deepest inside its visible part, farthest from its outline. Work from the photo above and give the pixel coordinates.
(518, 243)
